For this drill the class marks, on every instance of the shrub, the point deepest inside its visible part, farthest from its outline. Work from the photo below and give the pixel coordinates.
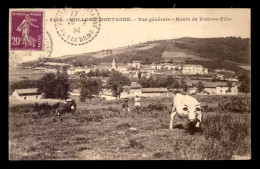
(236, 105)
(226, 134)
(157, 106)
(133, 143)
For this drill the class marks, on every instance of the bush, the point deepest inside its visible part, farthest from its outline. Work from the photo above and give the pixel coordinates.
(155, 106)
(226, 135)
(133, 143)
(236, 105)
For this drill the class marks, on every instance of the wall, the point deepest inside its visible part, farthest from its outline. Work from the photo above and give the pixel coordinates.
(210, 90)
(154, 94)
(31, 97)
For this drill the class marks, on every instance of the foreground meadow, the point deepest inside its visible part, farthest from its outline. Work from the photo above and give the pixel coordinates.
(99, 132)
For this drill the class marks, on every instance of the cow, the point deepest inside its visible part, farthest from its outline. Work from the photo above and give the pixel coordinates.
(186, 107)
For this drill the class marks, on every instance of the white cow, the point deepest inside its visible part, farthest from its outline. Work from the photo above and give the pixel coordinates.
(186, 106)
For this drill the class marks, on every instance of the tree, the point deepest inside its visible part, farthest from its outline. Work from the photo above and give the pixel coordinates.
(147, 60)
(169, 80)
(143, 81)
(171, 61)
(62, 87)
(244, 81)
(139, 75)
(91, 73)
(117, 89)
(229, 84)
(89, 87)
(117, 77)
(116, 81)
(97, 73)
(200, 86)
(184, 85)
(54, 85)
(176, 84)
(47, 85)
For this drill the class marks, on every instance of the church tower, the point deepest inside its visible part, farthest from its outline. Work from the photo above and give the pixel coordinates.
(113, 64)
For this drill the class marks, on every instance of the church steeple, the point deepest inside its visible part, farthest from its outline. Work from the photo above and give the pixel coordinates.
(113, 64)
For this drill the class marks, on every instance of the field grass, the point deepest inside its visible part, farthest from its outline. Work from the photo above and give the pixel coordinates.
(99, 132)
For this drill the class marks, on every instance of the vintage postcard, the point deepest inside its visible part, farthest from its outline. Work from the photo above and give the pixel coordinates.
(129, 84)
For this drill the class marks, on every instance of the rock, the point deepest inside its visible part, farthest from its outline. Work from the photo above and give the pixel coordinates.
(120, 132)
(133, 129)
(144, 155)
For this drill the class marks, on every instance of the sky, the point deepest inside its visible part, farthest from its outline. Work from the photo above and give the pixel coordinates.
(123, 33)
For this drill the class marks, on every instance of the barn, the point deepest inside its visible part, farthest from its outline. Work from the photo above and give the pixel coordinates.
(27, 94)
(152, 92)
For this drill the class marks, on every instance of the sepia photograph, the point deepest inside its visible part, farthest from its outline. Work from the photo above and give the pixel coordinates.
(129, 84)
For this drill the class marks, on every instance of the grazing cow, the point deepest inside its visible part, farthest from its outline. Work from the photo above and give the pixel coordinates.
(188, 107)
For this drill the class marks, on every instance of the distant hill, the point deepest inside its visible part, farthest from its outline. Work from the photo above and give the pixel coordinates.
(191, 50)
(230, 48)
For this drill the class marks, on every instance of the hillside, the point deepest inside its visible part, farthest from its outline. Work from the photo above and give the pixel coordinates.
(231, 52)
(230, 48)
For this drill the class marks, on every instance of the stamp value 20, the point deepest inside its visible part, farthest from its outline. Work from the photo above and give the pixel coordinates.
(26, 30)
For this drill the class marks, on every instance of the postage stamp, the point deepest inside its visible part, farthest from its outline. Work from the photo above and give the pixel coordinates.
(76, 27)
(26, 30)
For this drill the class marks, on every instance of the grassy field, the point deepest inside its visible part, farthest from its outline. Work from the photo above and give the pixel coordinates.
(100, 133)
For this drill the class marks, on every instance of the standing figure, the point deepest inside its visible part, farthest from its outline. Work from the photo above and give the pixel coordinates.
(137, 101)
(27, 40)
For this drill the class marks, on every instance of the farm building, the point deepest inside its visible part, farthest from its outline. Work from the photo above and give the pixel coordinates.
(210, 87)
(136, 64)
(223, 88)
(194, 69)
(72, 71)
(152, 92)
(27, 94)
(220, 88)
(172, 66)
(193, 91)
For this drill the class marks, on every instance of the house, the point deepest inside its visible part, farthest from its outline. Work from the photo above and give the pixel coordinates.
(194, 69)
(27, 94)
(193, 91)
(136, 64)
(172, 66)
(157, 66)
(232, 79)
(72, 71)
(220, 88)
(152, 92)
(223, 88)
(135, 89)
(220, 76)
(210, 87)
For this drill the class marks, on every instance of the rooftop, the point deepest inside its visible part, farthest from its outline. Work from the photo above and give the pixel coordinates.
(26, 91)
(154, 90)
(135, 85)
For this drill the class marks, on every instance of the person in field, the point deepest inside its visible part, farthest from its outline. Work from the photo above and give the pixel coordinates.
(125, 107)
(137, 101)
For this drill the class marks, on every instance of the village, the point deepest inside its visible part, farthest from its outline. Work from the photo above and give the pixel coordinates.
(214, 82)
